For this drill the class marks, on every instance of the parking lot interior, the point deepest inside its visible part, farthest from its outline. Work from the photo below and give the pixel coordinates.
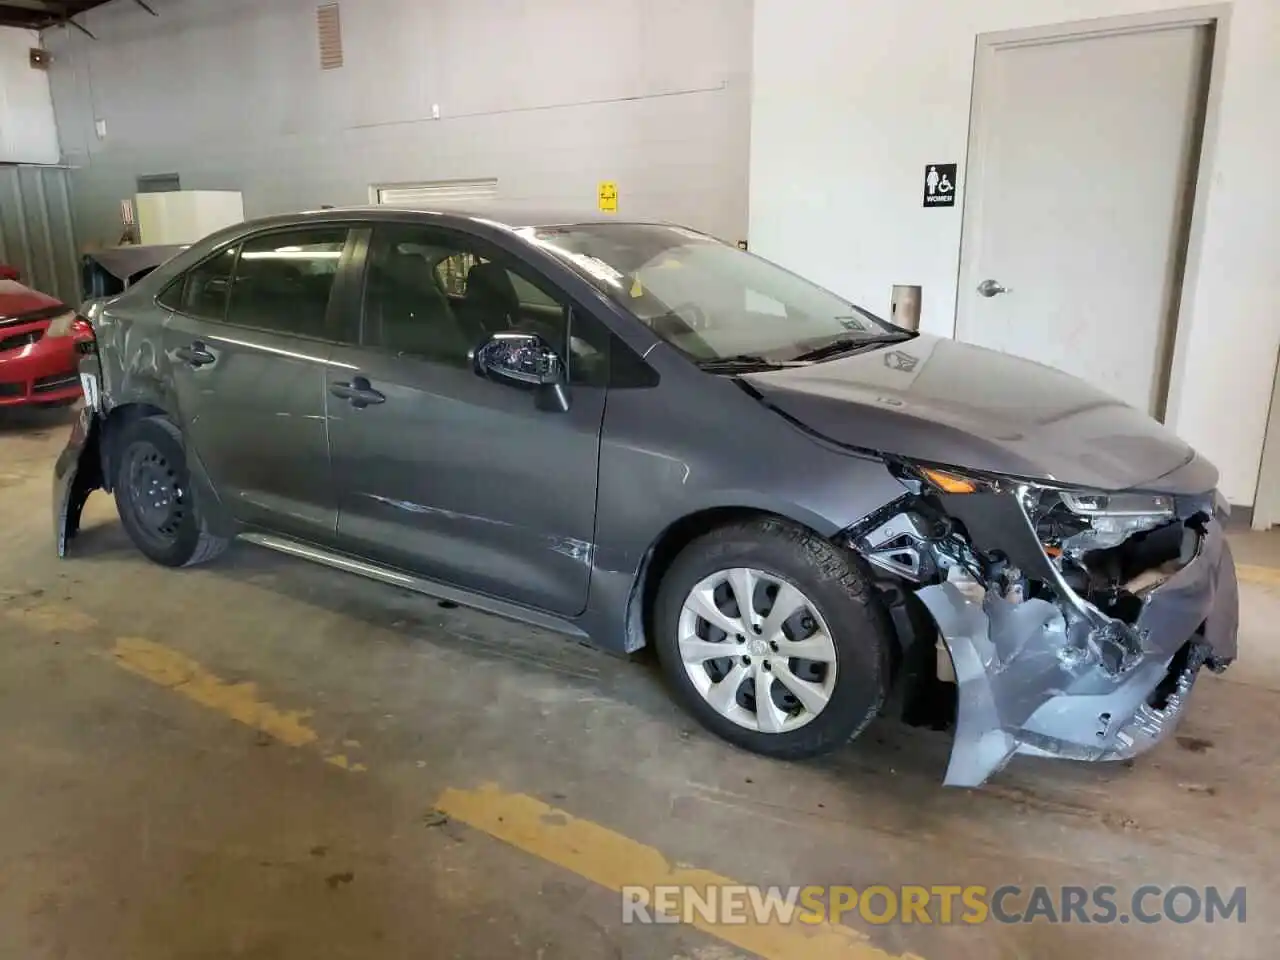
(266, 758)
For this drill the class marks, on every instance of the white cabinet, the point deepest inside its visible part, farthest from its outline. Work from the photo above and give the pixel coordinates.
(185, 216)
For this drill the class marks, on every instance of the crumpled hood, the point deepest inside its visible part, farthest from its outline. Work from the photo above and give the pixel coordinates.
(948, 402)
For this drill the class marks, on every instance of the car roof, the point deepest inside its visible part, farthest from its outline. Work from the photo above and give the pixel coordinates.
(512, 217)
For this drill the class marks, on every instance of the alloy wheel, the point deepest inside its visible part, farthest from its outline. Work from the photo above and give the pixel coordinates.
(757, 650)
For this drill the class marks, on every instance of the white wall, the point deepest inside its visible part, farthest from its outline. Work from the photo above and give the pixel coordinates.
(548, 96)
(27, 130)
(851, 98)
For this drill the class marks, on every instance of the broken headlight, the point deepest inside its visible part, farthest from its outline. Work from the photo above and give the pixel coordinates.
(1109, 519)
(1066, 520)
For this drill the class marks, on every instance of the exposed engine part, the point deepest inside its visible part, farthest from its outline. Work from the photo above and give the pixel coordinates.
(912, 539)
(1013, 586)
(900, 545)
(1084, 597)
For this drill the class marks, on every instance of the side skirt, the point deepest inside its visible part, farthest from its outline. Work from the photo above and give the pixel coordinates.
(408, 581)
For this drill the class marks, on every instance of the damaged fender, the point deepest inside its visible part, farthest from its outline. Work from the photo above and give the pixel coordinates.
(76, 474)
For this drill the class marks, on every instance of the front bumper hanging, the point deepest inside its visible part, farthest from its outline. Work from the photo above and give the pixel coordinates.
(1019, 694)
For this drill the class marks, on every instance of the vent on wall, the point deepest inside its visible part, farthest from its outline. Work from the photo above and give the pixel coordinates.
(159, 183)
(434, 193)
(329, 35)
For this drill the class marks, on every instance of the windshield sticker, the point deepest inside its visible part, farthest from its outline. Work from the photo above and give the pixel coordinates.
(853, 323)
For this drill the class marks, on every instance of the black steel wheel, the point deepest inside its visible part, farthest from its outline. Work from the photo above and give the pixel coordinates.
(153, 494)
(154, 497)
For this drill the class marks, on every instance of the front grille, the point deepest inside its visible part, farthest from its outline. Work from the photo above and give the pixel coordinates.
(53, 384)
(13, 389)
(19, 340)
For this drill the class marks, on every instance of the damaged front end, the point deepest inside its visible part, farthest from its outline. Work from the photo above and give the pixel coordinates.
(1075, 621)
(81, 468)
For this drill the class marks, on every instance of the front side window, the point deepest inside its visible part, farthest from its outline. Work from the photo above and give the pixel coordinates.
(711, 300)
(435, 295)
(203, 291)
(283, 280)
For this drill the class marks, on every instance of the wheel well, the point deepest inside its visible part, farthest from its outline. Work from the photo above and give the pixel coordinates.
(113, 428)
(664, 552)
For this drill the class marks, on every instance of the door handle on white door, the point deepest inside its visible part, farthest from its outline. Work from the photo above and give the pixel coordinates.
(992, 288)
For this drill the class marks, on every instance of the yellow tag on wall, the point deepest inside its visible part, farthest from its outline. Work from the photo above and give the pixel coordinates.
(608, 196)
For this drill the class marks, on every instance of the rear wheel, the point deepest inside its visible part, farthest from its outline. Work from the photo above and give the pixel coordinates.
(154, 498)
(771, 638)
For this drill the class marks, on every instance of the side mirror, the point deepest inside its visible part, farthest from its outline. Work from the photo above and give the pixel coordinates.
(518, 358)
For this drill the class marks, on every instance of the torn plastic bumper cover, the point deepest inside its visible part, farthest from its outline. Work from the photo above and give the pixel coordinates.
(1063, 679)
(77, 473)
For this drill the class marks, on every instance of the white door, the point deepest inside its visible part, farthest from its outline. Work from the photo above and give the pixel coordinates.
(1083, 153)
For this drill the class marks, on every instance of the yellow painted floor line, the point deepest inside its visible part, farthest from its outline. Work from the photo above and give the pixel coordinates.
(1265, 576)
(615, 861)
(239, 701)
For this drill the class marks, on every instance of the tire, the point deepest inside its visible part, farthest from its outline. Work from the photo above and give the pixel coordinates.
(170, 528)
(837, 601)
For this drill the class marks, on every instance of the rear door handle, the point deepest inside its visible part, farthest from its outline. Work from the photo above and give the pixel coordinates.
(359, 391)
(195, 354)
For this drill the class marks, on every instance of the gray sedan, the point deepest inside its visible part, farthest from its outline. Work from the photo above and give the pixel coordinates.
(636, 434)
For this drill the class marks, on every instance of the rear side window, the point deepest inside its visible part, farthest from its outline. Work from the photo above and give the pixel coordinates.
(283, 281)
(203, 290)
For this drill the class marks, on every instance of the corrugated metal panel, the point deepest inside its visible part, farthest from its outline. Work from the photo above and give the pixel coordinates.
(435, 193)
(329, 32)
(37, 229)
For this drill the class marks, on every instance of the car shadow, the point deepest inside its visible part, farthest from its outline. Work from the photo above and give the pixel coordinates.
(35, 422)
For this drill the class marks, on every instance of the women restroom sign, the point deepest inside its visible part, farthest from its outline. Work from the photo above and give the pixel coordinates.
(940, 185)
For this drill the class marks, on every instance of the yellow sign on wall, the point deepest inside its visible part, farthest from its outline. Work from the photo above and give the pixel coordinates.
(608, 196)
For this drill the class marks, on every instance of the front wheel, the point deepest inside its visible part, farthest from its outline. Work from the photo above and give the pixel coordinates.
(154, 498)
(771, 637)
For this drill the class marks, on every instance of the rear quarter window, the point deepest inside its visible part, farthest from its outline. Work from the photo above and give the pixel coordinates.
(204, 290)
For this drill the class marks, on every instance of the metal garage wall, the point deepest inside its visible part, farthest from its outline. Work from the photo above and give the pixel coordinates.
(37, 229)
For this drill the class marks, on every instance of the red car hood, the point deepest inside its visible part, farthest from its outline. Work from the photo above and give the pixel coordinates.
(17, 300)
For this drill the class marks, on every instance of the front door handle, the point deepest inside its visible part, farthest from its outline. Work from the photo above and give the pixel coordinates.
(195, 354)
(992, 288)
(359, 391)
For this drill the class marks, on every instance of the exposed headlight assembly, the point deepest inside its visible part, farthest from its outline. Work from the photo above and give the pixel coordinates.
(1068, 522)
(1066, 519)
(1113, 517)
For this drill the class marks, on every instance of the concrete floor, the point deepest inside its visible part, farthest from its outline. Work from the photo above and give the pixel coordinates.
(266, 759)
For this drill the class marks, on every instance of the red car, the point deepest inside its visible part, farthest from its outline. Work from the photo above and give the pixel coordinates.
(40, 348)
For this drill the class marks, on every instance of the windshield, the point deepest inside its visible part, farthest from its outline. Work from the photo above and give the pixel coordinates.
(713, 301)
